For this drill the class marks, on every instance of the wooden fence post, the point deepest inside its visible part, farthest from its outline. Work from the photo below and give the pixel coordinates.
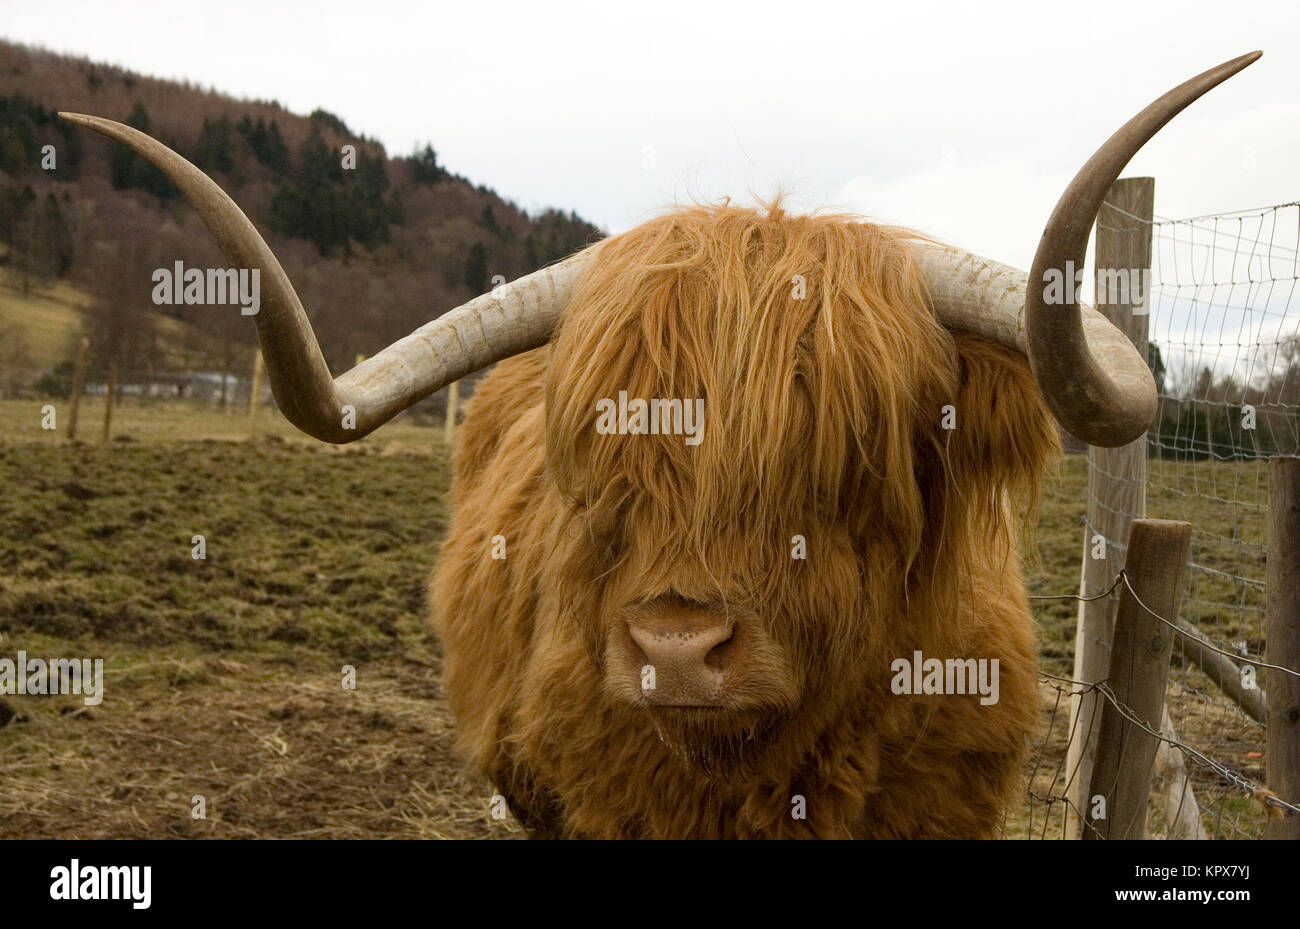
(1156, 567)
(1182, 812)
(453, 398)
(1116, 480)
(78, 385)
(110, 394)
(1282, 730)
(1225, 672)
(255, 395)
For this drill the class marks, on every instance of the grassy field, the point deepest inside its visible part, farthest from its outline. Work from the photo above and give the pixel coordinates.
(158, 421)
(224, 673)
(48, 316)
(1224, 502)
(51, 315)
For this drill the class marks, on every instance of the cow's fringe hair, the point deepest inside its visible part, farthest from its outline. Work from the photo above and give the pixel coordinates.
(823, 407)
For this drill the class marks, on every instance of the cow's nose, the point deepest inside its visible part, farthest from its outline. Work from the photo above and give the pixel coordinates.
(683, 655)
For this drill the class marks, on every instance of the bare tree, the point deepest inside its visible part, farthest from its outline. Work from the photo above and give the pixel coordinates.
(120, 321)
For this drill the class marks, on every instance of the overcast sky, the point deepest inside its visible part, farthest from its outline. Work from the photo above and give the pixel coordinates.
(965, 120)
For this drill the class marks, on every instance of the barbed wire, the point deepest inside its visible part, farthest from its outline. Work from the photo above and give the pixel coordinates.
(1263, 794)
(1102, 687)
(1203, 640)
(1224, 347)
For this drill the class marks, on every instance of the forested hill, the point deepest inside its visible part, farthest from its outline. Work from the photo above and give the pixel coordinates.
(375, 248)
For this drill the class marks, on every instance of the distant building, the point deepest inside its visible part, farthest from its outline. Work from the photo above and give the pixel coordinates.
(203, 386)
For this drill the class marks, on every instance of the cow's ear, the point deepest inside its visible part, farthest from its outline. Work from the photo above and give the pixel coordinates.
(997, 434)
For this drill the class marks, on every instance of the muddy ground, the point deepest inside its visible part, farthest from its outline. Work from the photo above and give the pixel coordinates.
(224, 674)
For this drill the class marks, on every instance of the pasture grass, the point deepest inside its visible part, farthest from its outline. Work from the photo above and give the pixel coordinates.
(50, 315)
(170, 421)
(224, 674)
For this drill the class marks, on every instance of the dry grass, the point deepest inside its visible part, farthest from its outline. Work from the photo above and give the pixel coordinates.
(52, 314)
(224, 674)
(181, 421)
(1224, 501)
(49, 316)
(272, 754)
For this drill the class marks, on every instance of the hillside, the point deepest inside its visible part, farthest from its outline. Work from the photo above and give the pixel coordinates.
(376, 244)
(41, 322)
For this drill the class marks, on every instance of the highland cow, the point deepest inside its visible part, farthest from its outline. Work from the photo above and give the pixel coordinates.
(650, 637)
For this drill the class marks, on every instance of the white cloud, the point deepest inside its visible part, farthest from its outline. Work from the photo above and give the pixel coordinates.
(997, 208)
(553, 103)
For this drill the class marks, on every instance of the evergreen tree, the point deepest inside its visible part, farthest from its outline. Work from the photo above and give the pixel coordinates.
(39, 238)
(325, 117)
(333, 207)
(267, 144)
(130, 170)
(277, 153)
(423, 166)
(308, 207)
(393, 208)
(55, 244)
(123, 159)
(14, 204)
(213, 152)
(476, 269)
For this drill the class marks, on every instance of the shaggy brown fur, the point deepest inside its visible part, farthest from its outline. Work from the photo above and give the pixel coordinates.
(823, 419)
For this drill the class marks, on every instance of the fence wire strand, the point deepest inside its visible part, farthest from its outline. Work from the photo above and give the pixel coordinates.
(1224, 348)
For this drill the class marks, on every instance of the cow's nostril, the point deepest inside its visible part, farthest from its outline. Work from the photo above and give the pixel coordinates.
(680, 655)
(720, 656)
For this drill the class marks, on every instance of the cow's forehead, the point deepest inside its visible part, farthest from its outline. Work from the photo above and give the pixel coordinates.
(728, 366)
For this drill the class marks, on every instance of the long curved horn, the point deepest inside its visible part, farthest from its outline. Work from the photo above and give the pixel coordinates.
(513, 318)
(975, 294)
(1102, 393)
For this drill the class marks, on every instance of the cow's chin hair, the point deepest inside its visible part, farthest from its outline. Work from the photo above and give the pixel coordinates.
(716, 741)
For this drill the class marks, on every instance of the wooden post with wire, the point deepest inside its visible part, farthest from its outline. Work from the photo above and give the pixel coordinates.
(255, 395)
(1116, 478)
(1226, 673)
(1155, 571)
(1282, 729)
(110, 395)
(453, 398)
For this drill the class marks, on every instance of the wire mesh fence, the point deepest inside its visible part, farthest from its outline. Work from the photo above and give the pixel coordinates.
(1224, 347)
(1199, 789)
